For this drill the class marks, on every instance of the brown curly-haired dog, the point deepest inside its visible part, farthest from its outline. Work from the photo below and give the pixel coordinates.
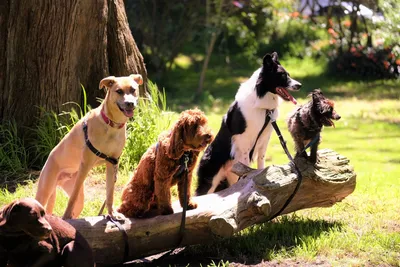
(161, 167)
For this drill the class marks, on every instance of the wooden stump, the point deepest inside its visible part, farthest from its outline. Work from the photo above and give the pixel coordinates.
(257, 196)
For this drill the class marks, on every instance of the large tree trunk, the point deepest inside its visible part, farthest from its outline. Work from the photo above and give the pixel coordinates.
(257, 197)
(49, 48)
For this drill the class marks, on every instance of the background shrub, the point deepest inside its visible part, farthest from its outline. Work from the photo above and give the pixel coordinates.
(151, 118)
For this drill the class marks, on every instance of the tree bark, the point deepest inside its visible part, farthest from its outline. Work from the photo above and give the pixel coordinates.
(257, 197)
(49, 48)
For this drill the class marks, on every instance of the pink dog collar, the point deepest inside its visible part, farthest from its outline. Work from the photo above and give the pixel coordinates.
(110, 122)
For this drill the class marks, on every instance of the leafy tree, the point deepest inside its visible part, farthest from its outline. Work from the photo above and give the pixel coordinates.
(390, 26)
(162, 28)
(247, 23)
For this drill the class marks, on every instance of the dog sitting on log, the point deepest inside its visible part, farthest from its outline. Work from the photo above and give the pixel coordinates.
(162, 166)
(306, 122)
(28, 237)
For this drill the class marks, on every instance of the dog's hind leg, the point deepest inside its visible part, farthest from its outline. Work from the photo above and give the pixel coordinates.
(313, 152)
(68, 187)
(220, 176)
(77, 188)
(162, 187)
(47, 182)
(51, 202)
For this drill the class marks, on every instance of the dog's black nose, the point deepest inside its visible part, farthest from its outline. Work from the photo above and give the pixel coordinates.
(338, 117)
(297, 86)
(129, 105)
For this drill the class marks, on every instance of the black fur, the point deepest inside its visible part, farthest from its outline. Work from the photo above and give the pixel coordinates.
(219, 151)
(306, 123)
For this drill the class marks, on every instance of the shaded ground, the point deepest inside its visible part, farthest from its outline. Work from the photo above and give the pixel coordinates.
(179, 259)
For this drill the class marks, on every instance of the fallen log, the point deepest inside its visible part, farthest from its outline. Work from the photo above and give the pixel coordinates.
(257, 196)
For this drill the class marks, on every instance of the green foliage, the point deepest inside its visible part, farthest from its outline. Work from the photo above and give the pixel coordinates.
(221, 263)
(151, 118)
(294, 36)
(161, 29)
(51, 128)
(389, 27)
(45, 137)
(13, 155)
(366, 62)
(67, 119)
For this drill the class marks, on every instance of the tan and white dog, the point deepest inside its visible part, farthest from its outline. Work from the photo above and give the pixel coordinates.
(70, 161)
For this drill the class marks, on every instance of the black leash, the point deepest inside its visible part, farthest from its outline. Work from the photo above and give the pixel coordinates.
(299, 176)
(184, 160)
(185, 200)
(268, 114)
(124, 235)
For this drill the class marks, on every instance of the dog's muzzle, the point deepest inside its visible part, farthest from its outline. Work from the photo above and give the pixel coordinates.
(127, 108)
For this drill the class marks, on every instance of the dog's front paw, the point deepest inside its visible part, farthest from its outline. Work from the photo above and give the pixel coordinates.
(166, 210)
(191, 205)
(67, 215)
(117, 216)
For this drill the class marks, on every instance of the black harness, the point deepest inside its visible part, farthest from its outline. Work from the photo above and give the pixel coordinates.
(95, 151)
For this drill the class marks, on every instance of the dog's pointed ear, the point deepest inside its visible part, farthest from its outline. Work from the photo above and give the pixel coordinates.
(275, 56)
(268, 61)
(137, 78)
(107, 82)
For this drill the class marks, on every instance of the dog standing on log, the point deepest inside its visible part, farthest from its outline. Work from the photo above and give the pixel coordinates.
(162, 166)
(306, 122)
(242, 136)
(28, 237)
(97, 138)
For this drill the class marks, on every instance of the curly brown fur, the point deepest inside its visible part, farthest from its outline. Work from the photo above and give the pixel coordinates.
(28, 237)
(307, 121)
(158, 169)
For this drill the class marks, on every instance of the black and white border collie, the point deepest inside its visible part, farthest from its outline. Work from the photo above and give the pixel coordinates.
(243, 122)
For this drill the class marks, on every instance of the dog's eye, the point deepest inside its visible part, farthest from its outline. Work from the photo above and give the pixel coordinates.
(132, 91)
(120, 92)
(284, 75)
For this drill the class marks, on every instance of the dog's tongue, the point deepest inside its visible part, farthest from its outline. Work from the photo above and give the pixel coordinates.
(128, 113)
(291, 98)
(285, 95)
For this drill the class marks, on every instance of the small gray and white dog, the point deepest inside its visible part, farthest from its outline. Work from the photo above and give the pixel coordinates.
(306, 122)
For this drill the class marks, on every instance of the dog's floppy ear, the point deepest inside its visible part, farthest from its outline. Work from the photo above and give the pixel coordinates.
(5, 213)
(107, 82)
(175, 148)
(137, 78)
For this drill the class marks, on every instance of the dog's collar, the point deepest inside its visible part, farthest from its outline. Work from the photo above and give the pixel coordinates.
(110, 122)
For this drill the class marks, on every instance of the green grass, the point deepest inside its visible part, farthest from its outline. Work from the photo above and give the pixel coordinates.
(362, 230)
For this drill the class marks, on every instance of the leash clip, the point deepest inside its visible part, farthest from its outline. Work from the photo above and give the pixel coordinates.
(185, 161)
